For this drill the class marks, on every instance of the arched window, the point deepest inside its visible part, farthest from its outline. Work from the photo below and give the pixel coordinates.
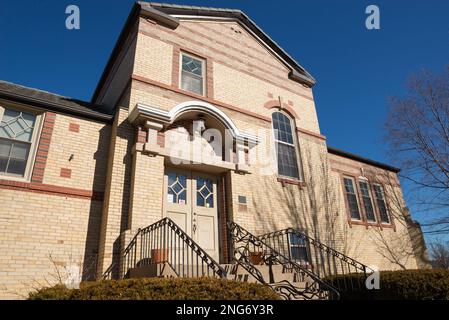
(285, 143)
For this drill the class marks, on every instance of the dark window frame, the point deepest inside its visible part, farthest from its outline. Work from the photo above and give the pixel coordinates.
(287, 138)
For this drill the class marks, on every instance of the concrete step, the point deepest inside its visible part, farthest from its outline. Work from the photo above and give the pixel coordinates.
(279, 273)
(168, 270)
(154, 270)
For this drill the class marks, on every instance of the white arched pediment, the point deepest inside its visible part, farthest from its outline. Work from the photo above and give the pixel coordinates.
(159, 115)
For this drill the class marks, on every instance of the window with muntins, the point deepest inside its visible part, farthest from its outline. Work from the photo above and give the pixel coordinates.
(367, 201)
(351, 196)
(192, 74)
(381, 205)
(285, 146)
(16, 138)
(298, 249)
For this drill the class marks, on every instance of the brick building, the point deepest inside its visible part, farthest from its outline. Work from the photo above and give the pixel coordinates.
(201, 117)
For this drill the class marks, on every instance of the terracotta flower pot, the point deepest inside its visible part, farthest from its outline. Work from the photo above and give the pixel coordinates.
(159, 255)
(256, 258)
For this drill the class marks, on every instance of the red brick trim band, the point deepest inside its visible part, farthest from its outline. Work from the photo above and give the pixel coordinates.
(175, 66)
(233, 58)
(285, 107)
(42, 149)
(51, 190)
(218, 103)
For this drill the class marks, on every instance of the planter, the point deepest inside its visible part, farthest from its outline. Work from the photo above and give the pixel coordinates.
(159, 255)
(256, 258)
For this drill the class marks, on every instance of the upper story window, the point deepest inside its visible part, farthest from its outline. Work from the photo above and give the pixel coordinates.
(380, 199)
(285, 144)
(193, 74)
(367, 200)
(17, 135)
(351, 196)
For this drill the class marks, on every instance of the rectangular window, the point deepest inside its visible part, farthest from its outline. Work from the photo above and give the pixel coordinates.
(287, 163)
(367, 201)
(298, 249)
(351, 196)
(17, 129)
(381, 205)
(192, 74)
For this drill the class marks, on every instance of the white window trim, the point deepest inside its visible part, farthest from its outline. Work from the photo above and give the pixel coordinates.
(34, 142)
(295, 145)
(370, 192)
(355, 187)
(203, 71)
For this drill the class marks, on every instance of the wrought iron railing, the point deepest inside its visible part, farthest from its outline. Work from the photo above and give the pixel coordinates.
(246, 246)
(165, 243)
(323, 260)
(109, 273)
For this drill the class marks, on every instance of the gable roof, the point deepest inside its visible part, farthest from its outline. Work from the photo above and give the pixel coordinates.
(298, 73)
(50, 101)
(165, 14)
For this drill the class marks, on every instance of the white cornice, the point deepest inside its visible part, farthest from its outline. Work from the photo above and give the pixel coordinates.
(145, 112)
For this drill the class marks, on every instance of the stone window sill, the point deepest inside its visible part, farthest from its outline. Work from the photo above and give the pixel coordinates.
(287, 181)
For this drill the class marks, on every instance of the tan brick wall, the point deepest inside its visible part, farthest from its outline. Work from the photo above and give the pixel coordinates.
(157, 64)
(146, 191)
(36, 226)
(241, 89)
(117, 191)
(84, 153)
(55, 216)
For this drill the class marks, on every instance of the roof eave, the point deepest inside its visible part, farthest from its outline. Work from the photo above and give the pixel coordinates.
(139, 9)
(356, 157)
(52, 106)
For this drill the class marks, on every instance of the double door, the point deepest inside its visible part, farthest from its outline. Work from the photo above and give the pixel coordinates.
(191, 202)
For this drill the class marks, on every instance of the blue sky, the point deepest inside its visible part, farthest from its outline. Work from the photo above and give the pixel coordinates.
(356, 69)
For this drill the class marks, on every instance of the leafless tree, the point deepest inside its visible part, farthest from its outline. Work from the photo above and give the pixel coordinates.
(418, 137)
(407, 243)
(439, 252)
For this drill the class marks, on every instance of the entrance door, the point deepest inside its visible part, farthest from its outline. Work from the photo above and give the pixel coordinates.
(191, 202)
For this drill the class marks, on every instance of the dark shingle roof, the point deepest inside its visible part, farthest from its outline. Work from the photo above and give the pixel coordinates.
(50, 101)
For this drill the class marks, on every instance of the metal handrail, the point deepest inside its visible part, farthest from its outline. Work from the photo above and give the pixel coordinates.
(245, 243)
(108, 274)
(325, 261)
(164, 242)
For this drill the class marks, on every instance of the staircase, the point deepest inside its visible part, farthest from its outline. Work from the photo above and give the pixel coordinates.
(163, 249)
(259, 262)
(275, 275)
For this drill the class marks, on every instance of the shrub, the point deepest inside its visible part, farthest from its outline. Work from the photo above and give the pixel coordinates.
(397, 285)
(158, 289)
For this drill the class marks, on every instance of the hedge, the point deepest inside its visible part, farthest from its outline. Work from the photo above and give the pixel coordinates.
(158, 289)
(432, 284)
